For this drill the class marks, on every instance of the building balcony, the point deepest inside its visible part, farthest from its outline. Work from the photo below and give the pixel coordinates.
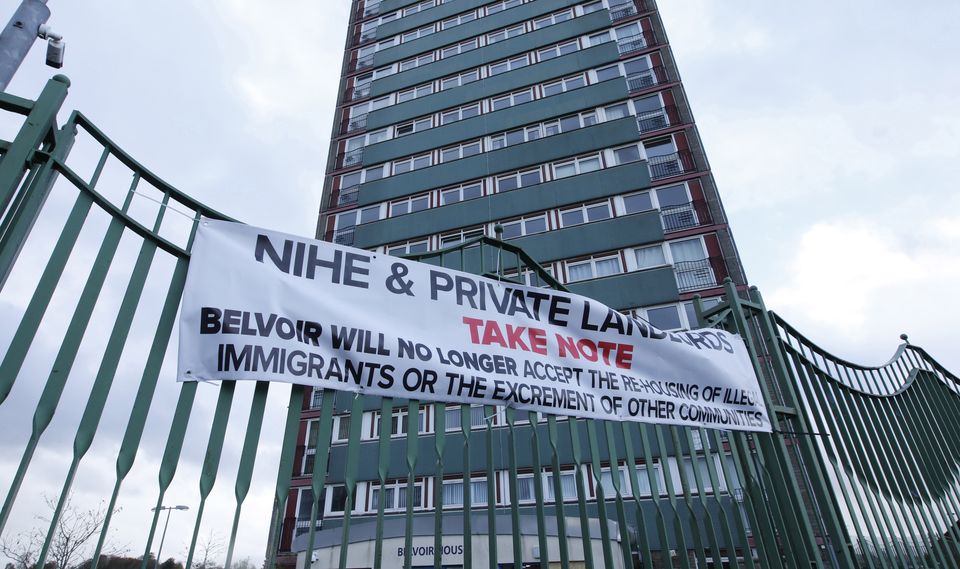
(359, 92)
(646, 79)
(649, 121)
(699, 274)
(370, 8)
(350, 158)
(685, 216)
(356, 123)
(345, 196)
(362, 63)
(670, 165)
(341, 236)
(364, 36)
(637, 42)
(316, 398)
(627, 9)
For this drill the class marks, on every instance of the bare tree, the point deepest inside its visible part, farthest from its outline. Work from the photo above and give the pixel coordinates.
(207, 552)
(71, 537)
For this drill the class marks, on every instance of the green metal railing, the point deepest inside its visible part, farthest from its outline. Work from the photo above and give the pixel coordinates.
(860, 471)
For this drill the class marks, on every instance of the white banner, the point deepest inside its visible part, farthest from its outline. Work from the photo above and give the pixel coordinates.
(264, 305)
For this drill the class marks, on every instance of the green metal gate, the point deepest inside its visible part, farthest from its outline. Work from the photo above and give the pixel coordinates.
(860, 471)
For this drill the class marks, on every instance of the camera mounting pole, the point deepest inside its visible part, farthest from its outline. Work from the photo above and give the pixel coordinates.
(18, 36)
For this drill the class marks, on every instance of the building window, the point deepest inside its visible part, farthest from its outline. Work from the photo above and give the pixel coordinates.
(418, 33)
(665, 317)
(409, 248)
(399, 423)
(478, 419)
(585, 214)
(618, 111)
(593, 268)
(461, 193)
(338, 499)
(516, 98)
(524, 226)
(651, 256)
(419, 7)
(416, 62)
(564, 85)
(461, 151)
(518, 180)
(581, 165)
(627, 154)
(413, 126)
(558, 50)
(638, 202)
(553, 19)
(643, 480)
(459, 48)
(452, 495)
(341, 428)
(606, 73)
(568, 486)
(415, 93)
(501, 6)
(606, 483)
(509, 64)
(409, 205)
(415, 163)
(457, 237)
(457, 20)
(459, 114)
(461, 79)
(500, 35)
(531, 278)
(394, 496)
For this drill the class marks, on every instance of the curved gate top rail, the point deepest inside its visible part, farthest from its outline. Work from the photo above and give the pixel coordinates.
(860, 471)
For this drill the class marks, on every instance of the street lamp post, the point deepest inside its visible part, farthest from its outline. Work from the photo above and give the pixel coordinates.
(163, 536)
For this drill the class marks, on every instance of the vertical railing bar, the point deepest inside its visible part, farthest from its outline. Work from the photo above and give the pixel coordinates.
(538, 496)
(773, 454)
(320, 463)
(734, 510)
(439, 445)
(806, 376)
(466, 427)
(936, 407)
(870, 458)
(625, 547)
(383, 470)
(672, 499)
(781, 372)
(145, 392)
(42, 294)
(211, 460)
(873, 407)
(285, 469)
(575, 443)
(66, 356)
(594, 444)
(914, 408)
(350, 474)
(95, 177)
(490, 413)
(96, 401)
(512, 483)
(712, 535)
(558, 492)
(413, 438)
(248, 457)
(828, 423)
(646, 554)
(699, 549)
(171, 456)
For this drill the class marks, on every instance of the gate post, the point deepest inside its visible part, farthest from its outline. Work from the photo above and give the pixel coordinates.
(19, 217)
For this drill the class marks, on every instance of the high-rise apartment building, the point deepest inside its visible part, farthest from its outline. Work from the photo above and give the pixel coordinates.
(562, 121)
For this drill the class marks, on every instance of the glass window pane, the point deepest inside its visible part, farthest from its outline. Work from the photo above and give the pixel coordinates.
(637, 202)
(665, 317)
(530, 178)
(536, 225)
(449, 196)
(418, 204)
(572, 217)
(650, 257)
(512, 229)
(589, 165)
(580, 272)
(691, 250)
(597, 212)
(608, 73)
(471, 192)
(522, 97)
(672, 196)
(564, 170)
(608, 267)
(627, 155)
(507, 183)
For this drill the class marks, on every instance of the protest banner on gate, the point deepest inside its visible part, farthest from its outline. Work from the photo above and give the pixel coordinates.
(264, 305)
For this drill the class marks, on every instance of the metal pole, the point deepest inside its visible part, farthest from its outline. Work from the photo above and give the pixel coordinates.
(163, 536)
(18, 36)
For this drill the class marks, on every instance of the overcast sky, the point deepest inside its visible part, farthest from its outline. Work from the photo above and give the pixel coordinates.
(832, 129)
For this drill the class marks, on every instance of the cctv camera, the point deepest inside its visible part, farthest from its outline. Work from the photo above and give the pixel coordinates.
(55, 49)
